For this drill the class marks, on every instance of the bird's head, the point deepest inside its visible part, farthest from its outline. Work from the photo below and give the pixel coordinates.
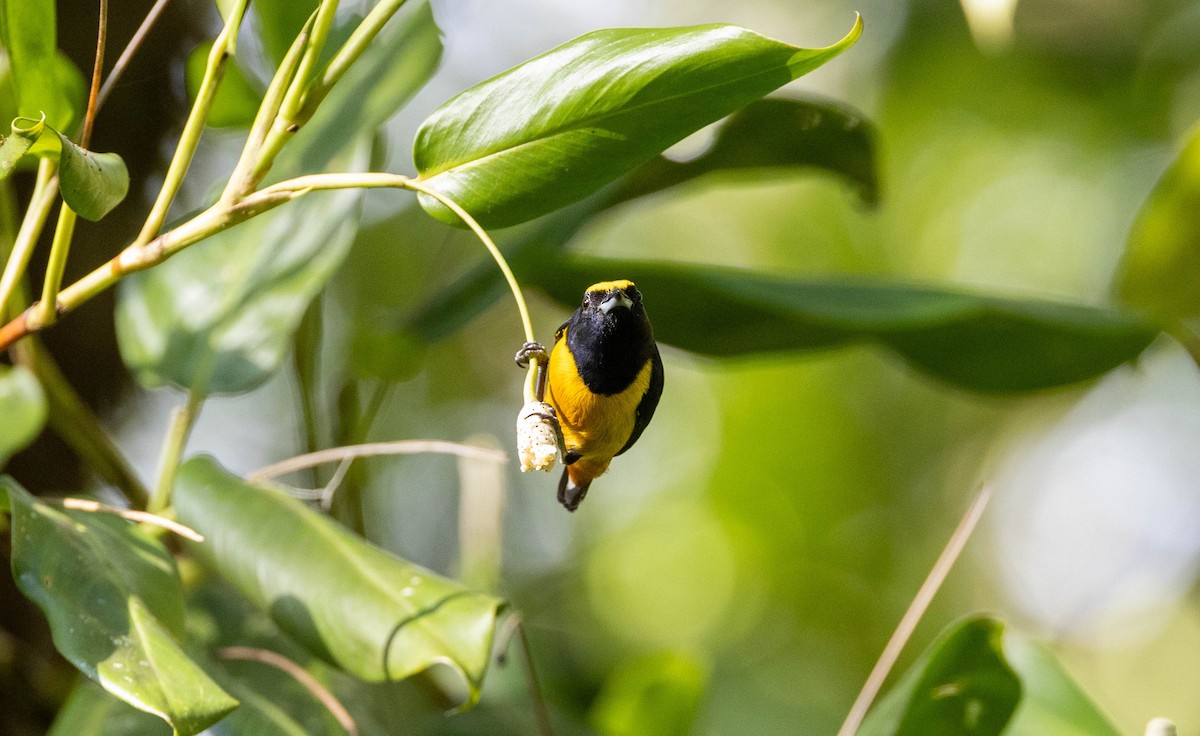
(609, 298)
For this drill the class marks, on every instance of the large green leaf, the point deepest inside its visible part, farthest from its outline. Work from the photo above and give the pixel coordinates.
(1162, 261)
(560, 126)
(115, 606)
(370, 613)
(979, 342)
(89, 711)
(960, 686)
(219, 317)
(43, 80)
(91, 183)
(22, 410)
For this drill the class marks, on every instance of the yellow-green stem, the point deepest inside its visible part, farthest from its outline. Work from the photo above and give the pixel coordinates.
(349, 52)
(294, 98)
(45, 312)
(174, 443)
(44, 192)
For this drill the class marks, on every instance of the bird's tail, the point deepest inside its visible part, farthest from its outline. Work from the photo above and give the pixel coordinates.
(571, 490)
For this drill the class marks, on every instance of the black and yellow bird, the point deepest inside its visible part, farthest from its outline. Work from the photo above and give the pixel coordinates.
(605, 378)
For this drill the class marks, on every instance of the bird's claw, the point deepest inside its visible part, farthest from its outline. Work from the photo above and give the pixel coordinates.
(531, 351)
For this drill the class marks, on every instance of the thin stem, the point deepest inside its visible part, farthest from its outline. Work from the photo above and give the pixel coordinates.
(294, 98)
(916, 609)
(131, 48)
(45, 312)
(545, 728)
(353, 48)
(45, 190)
(300, 675)
(182, 420)
(84, 504)
(74, 422)
(89, 118)
(189, 139)
(373, 449)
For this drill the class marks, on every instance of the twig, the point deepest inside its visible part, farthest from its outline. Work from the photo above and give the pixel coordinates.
(182, 420)
(916, 609)
(83, 504)
(371, 449)
(89, 118)
(300, 675)
(545, 728)
(335, 482)
(130, 49)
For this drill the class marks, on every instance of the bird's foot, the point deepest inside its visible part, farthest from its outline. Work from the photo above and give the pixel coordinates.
(531, 351)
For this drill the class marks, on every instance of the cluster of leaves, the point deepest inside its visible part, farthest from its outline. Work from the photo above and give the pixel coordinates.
(548, 145)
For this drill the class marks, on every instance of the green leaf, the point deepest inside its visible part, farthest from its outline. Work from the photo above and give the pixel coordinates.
(115, 606)
(236, 102)
(25, 132)
(1162, 259)
(374, 615)
(560, 126)
(23, 410)
(44, 81)
(774, 135)
(656, 694)
(983, 343)
(960, 686)
(89, 711)
(1052, 703)
(219, 317)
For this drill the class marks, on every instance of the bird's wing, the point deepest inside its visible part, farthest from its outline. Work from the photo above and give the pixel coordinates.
(649, 402)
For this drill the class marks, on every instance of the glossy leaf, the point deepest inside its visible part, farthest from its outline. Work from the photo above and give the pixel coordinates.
(1052, 703)
(1162, 260)
(769, 136)
(354, 605)
(978, 342)
(559, 127)
(219, 317)
(236, 101)
(115, 606)
(960, 686)
(24, 133)
(91, 183)
(23, 410)
(44, 81)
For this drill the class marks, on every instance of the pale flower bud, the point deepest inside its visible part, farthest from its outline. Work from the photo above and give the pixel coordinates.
(1161, 727)
(538, 436)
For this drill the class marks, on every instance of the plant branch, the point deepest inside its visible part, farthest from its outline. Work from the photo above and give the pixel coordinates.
(916, 609)
(45, 191)
(89, 118)
(353, 48)
(373, 449)
(300, 675)
(545, 728)
(131, 48)
(45, 312)
(182, 420)
(84, 504)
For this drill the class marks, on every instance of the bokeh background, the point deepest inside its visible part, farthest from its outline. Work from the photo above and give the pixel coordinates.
(754, 551)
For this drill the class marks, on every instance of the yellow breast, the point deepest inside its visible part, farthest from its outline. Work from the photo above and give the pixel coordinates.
(594, 425)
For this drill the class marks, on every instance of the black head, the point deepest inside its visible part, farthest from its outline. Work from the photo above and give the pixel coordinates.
(610, 336)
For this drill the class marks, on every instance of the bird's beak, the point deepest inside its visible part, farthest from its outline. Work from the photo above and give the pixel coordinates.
(617, 299)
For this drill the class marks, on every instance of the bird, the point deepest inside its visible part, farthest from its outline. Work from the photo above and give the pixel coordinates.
(604, 381)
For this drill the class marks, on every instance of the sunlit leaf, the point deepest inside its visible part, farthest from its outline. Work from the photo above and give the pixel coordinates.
(374, 615)
(219, 317)
(91, 183)
(658, 694)
(979, 342)
(44, 81)
(960, 686)
(22, 410)
(1162, 260)
(89, 711)
(560, 126)
(236, 101)
(115, 606)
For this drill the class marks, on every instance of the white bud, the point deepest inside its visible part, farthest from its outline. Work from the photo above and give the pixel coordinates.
(538, 436)
(1160, 727)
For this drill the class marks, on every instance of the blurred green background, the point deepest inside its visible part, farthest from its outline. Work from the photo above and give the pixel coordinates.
(750, 557)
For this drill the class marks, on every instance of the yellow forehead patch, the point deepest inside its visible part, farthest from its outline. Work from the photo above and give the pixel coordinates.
(610, 285)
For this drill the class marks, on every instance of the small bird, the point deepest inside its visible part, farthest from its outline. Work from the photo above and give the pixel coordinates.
(605, 378)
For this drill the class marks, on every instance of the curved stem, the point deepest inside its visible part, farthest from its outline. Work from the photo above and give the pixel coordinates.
(300, 675)
(130, 49)
(371, 449)
(45, 190)
(142, 517)
(89, 118)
